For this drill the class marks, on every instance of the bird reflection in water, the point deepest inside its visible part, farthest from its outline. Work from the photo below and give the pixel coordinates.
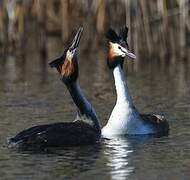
(119, 153)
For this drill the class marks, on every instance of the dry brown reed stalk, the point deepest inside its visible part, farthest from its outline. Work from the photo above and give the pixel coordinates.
(157, 28)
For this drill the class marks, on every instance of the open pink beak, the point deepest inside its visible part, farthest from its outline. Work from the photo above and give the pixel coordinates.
(131, 55)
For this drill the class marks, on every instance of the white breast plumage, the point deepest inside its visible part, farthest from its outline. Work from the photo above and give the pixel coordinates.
(124, 118)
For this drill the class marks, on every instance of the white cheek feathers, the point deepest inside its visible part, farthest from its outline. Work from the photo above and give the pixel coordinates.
(70, 54)
(118, 50)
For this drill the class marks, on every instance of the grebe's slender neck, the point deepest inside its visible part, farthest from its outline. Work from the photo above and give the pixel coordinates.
(125, 118)
(121, 86)
(82, 103)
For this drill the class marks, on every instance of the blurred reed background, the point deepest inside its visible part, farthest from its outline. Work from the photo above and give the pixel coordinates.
(159, 30)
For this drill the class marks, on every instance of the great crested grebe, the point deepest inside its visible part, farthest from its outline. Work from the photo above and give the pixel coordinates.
(125, 118)
(83, 131)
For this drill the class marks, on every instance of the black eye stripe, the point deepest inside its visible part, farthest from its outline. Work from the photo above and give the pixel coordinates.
(122, 51)
(119, 47)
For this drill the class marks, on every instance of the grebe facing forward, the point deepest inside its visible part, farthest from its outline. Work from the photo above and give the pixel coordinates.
(84, 130)
(125, 118)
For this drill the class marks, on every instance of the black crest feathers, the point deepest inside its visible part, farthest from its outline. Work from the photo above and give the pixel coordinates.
(55, 63)
(112, 35)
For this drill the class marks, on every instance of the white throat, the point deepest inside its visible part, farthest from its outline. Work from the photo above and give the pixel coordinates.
(124, 118)
(121, 86)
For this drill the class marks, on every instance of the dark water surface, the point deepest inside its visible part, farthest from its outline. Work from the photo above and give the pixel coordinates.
(32, 94)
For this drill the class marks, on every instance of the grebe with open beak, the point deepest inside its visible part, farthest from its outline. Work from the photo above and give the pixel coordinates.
(83, 131)
(125, 118)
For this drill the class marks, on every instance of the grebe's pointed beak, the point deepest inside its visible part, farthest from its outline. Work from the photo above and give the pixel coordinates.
(130, 54)
(76, 40)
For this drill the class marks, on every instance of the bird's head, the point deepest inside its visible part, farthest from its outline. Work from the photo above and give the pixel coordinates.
(118, 47)
(67, 64)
